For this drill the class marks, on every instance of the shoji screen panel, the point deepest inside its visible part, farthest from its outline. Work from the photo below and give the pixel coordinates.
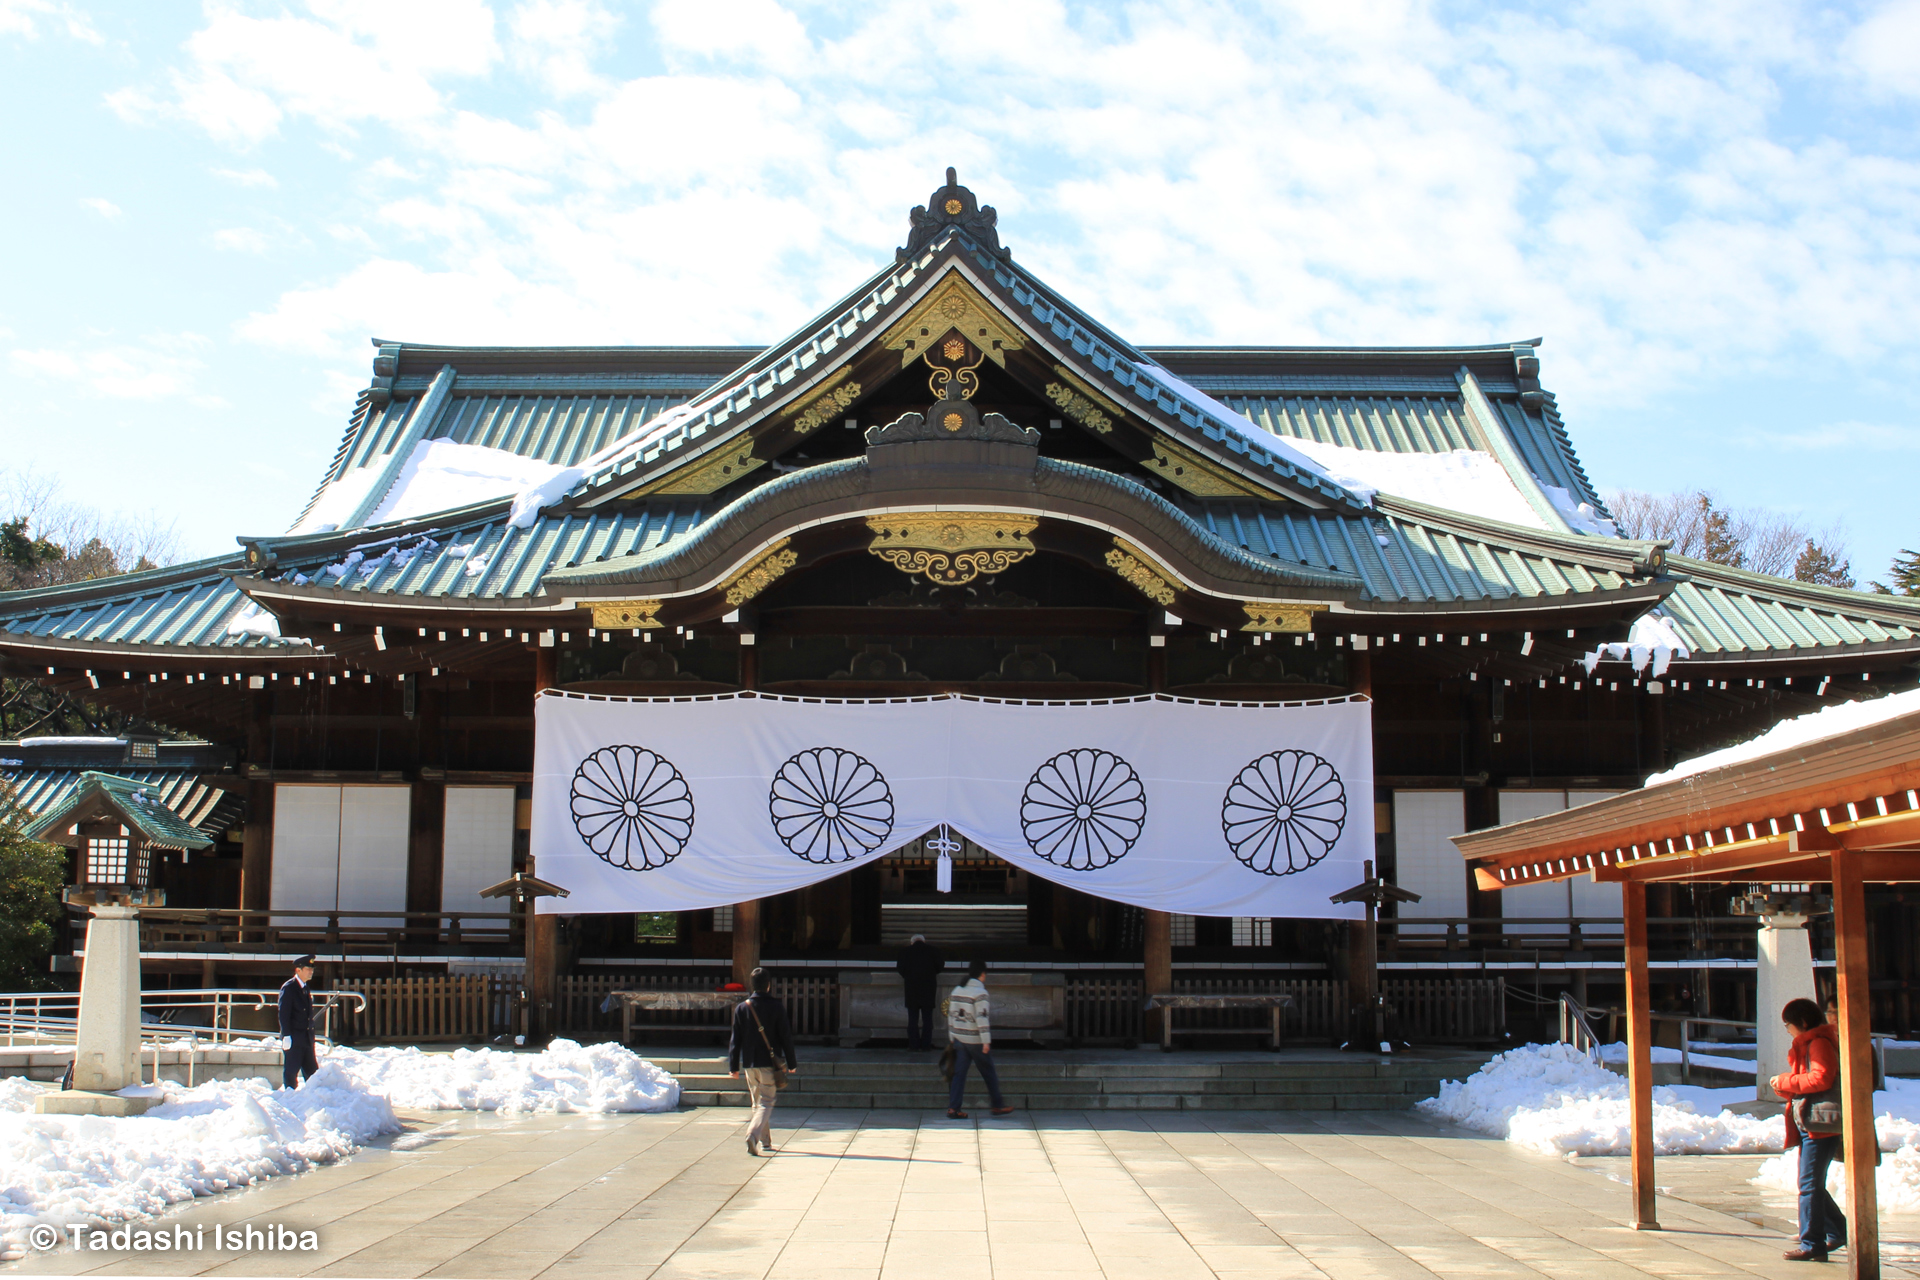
(478, 849)
(306, 848)
(1425, 857)
(373, 850)
(1590, 899)
(1533, 900)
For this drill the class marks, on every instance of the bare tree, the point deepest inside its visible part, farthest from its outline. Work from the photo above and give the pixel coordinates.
(1754, 538)
(45, 539)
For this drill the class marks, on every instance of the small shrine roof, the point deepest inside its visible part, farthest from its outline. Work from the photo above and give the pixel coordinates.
(138, 804)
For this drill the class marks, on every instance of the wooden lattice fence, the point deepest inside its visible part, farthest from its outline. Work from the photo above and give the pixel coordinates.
(437, 1008)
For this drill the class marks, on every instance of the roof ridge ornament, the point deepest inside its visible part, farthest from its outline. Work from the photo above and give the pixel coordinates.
(952, 206)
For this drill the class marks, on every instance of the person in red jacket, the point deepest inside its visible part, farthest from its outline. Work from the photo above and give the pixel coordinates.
(1813, 1064)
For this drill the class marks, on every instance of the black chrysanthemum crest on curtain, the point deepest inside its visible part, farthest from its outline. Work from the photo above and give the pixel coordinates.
(631, 807)
(1083, 809)
(1284, 811)
(830, 805)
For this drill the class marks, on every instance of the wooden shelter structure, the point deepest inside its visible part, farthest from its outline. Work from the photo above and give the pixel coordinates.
(1840, 808)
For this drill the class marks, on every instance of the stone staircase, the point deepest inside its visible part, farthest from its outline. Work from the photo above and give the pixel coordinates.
(1117, 1080)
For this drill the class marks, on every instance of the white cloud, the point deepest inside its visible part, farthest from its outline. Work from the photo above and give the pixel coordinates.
(247, 177)
(1850, 437)
(24, 18)
(160, 368)
(104, 207)
(240, 240)
(1641, 182)
(1886, 48)
(557, 41)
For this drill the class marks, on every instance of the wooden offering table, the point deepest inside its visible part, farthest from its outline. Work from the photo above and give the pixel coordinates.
(673, 1002)
(1276, 1005)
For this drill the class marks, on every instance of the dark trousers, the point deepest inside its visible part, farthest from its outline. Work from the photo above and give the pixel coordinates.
(300, 1061)
(919, 1026)
(1822, 1225)
(963, 1054)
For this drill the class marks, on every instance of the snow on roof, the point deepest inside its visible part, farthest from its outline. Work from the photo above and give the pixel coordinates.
(442, 475)
(1469, 481)
(58, 741)
(1828, 722)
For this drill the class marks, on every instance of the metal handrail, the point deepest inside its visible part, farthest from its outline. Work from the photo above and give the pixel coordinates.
(1574, 1029)
(46, 1015)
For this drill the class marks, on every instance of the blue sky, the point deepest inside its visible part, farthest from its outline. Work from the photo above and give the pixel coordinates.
(1711, 211)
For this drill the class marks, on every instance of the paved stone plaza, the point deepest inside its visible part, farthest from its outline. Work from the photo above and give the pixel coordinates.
(897, 1194)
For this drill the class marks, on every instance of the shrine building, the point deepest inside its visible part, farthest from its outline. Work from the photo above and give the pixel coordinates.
(953, 481)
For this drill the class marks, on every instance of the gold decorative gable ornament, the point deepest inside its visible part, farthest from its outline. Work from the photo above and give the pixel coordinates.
(1268, 615)
(758, 576)
(953, 304)
(952, 547)
(634, 615)
(824, 408)
(1133, 564)
(1082, 403)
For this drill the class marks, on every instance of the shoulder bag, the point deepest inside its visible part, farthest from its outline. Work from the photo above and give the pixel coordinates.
(779, 1067)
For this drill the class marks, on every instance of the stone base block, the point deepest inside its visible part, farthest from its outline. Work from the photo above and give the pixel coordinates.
(78, 1102)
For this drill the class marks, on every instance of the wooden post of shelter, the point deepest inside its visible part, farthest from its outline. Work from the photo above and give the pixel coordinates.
(1862, 1145)
(1633, 911)
(542, 931)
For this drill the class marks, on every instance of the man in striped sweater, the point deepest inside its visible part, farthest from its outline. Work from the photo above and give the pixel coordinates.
(971, 1031)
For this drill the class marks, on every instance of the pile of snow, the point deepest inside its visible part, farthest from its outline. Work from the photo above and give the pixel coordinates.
(1828, 722)
(1653, 639)
(1551, 1098)
(220, 1135)
(531, 500)
(339, 499)
(566, 1077)
(252, 620)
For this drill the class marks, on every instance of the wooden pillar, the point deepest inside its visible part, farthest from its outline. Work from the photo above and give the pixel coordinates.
(1157, 979)
(1856, 1066)
(1363, 981)
(426, 852)
(256, 838)
(1633, 902)
(1360, 673)
(543, 931)
(746, 939)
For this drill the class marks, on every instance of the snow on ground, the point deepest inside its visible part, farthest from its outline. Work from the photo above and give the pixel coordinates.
(1842, 717)
(1550, 1098)
(567, 1077)
(1616, 1054)
(233, 1133)
(220, 1135)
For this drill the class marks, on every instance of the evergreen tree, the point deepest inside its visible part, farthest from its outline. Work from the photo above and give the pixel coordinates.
(1906, 575)
(1720, 542)
(32, 875)
(1821, 567)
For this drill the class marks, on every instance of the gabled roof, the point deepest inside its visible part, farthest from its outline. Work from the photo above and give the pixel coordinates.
(134, 802)
(209, 810)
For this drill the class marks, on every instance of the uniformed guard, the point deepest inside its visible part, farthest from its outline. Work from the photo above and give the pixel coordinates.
(296, 1024)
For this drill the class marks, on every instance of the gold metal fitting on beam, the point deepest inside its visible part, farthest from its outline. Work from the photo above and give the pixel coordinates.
(1133, 564)
(758, 576)
(612, 615)
(952, 547)
(1265, 615)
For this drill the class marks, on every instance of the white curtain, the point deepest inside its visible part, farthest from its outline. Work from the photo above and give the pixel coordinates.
(1218, 810)
(1426, 860)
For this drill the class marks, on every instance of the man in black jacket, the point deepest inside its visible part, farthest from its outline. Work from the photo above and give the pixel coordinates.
(919, 965)
(296, 1024)
(760, 1031)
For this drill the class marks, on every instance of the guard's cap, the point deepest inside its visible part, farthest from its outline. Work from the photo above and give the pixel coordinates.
(303, 962)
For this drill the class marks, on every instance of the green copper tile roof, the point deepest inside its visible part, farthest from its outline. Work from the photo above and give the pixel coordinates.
(209, 810)
(139, 804)
(1726, 612)
(189, 606)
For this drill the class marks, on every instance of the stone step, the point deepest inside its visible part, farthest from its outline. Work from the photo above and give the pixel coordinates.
(977, 1101)
(1148, 1067)
(883, 1085)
